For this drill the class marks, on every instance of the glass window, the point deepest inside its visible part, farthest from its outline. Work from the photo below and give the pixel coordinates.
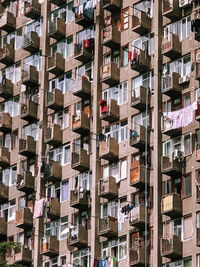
(125, 56)
(65, 191)
(118, 93)
(187, 224)
(123, 169)
(34, 60)
(187, 186)
(118, 131)
(30, 130)
(188, 144)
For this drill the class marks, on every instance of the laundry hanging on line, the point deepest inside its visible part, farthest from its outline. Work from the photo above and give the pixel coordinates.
(110, 261)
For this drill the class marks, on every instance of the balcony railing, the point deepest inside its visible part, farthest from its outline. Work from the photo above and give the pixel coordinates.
(82, 87)
(79, 199)
(84, 16)
(32, 9)
(29, 76)
(80, 160)
(3, 193)
(137, 256)
(139, 137)
(57, 28)
(108, 227)
(56, 64)
(29, 111)
(23, 256)
(109, 150)
(83, 51)
(78, 237)
(3, 228)
(171, 247)
(167, 127)
(53, 208)
(171, 9)
(52, 172)
(111, 36)
(171, 205)
(50, 246)
(53, 135)
(171, 46)
(139, 216)
(7, 54)
(172, 166)
(31, 42)
(24, 218)
(139, 175)
(7, 22)
(140, 98)
(6, 88)
(109, 110)
(81, 123)
(110, 74)
(5, 122)
(141, 22)
(140, 61)
(25, 182)
(112, 5)
(4, 157)
(108, 188)
(171, 86)
(55, 99)
(27, 147)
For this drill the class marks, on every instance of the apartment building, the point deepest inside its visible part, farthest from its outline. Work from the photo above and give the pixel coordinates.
(99, 132)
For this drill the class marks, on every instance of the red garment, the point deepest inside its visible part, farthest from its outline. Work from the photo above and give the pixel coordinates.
(86, 43)
(129, 55)
(96, 263)
(104, 106)
(136, 55)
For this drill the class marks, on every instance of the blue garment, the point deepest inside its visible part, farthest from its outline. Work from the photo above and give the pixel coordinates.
(102, 263)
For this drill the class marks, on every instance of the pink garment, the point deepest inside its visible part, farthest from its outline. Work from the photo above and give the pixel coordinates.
(39, 208)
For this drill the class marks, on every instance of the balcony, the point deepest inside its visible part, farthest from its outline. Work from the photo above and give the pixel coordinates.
(50, 246)
(108, 188)
(53, 135)
(111, 36)
(84, 16)
(25, 182)
(5, 122)
(137, 256)
(23, 256)
(27, 147)
(109, 150)
(108, 227)
(171, 9)
(82, 88)
(139, 137)
(7, 22)
(55, 100)
(171, 86)
(81, 123)
(24, 218)
(110, 74)
(78, 237)
(80, 160)
(57, 29)
(79, 199)
(3, 228)
(58, 2)
(56, 64)
(171, 166)
(31, 42)
(137, 175)
(171, 205)
(140, 98)
(137, 216)
(171, 46)
(4, 157)
(141, 22)
(109, 111)
(53, 208)
(29, 76)
(6, 88)
(197, 152)
(32, 9)
(3, 193)
(52, 172)
(168, 129)
(171, 247)
(29, 111)
(7, 54)
(83, 51)
(112, 5)
(140, 61)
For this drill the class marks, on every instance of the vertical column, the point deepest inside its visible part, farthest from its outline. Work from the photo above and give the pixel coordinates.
(157, 153)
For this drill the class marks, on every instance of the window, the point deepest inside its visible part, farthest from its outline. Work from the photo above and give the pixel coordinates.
(64, 47)
(125, 56)
(15, 139)
(186, 100)
(35, 26)
(140, 119)
(59, 190)
(117, 170)
(12, 107)
(65, 13)
(61, 154)
(187, 224)
(109, 209)
(9, 176)
(197, 93)
(65, 191)
(61, 118)
(116, 248)
(83, 180)
(82, 258)
(118, 131)
(86, 70)
(144, 43)
(118, 93)
(85, 34)
(22, 202)
(123, 169)
(181, 263)
(124, 19)
(145, 6)
(57, 228)
(187, 144)
(34, 60)
(7, 211)
(146, 80)
(63, 83)
(30, 130)
(187, 190)
(58, 261)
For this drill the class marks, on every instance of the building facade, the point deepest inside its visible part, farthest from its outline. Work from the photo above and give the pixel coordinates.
(99, 132)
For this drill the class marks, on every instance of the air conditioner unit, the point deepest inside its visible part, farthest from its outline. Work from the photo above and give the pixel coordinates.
(184, 79)
(183, 3)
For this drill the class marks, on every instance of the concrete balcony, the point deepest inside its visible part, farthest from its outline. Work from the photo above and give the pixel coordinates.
(80, 160)
(79, 199)
(171, 46)
(7, 54)
(25, 182)
(168, 129)
(29, 111)
(57, 29)
(3, 193)
(140, 61)
(55, 100)
(108, 188)
(112, 5)
(83, 53)
(23, 256)
(109, 111)
(82, 88)
(24, 218)
(171, 9)
(27, 147)
(56, 64)
(86, 18)
(137, 256)
(171, 86)
(108, 227)
(53, 172)
(3, 228)
(58, 2)
(140, 98)
(4, 157)
(53, 135)
(6, 88)
(139, 137)
(81, 123)
(171, 205)
(5, 122)
(137, 175)
(31, 42)
(141, 23)
(53, 209)
(137, 217)
(7, 22)
(78, 237)
(171, 247)
(110, 74)
(109, 150)
(171, 166)
(32, 9)
(29, 76)
(111, 36)
(49, 246)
